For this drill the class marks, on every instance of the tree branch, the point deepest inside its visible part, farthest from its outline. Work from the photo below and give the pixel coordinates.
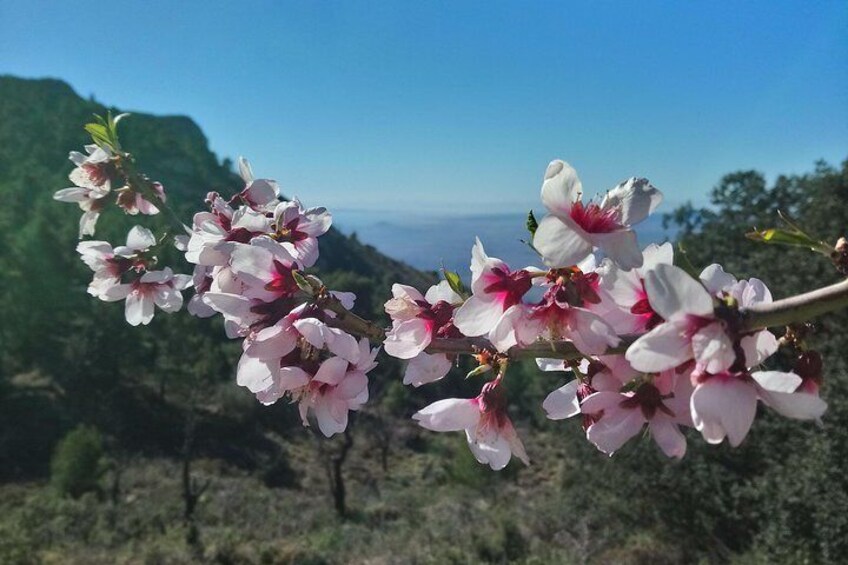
(799, 308)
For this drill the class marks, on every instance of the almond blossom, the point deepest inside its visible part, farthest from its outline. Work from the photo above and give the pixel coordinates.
(109, 264)
(488, 429)
(416, 320)
(329, 389)
(297, 229)
(572, 229)
(134, 202)
(92, 182)
(698, 328)
(159, 288)
(259, 194)
(563, 312)
(725, 404)
(661, 403)
(627, 289)
(495, 307)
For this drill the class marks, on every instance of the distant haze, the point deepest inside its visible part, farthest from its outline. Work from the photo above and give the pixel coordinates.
(428, 241)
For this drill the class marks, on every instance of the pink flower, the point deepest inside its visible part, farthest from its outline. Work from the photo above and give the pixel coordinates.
(92, 180)
(109, 264)
(297, 229)
(159, 288)
(627, 289)
(265, 267)
(259, 194)
(416, 320)
(329, 389)
(725, 405)
(563, 312)
(662, 403)
(573, 228)
(694, 328)
(605, 373)
(488, 429)
(214, 233)
(495, 307)
(134, 202)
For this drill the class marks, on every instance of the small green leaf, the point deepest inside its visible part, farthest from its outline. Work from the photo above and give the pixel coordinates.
(302, 282)
(532, 225)
(455, 282)
(790, 237)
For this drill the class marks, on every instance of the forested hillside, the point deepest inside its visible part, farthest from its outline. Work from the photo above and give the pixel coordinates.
(165, 460)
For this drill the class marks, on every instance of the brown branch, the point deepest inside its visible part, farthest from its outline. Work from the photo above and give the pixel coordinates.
(799, 308)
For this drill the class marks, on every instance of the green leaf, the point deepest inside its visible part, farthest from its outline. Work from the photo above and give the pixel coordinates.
(455, 282)
(532, 225)
(792, 237)
(302, 282)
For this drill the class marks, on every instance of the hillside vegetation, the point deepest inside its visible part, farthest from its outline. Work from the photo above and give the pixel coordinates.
(134, 445)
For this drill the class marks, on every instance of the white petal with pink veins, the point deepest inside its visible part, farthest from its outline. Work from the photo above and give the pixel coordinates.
(615, 428)
(73, 194)
(442, 291)
(716, 279)
(798, 405)
(514, 327)
(139, 308)
(561, 187)
(352, 385)
(668, 437)
(425, 368)
(562, 403)
(755, 292)
(477, 316)
(591, 335)
(290, 378)
(271, 343)
(140, 238)
(449, 415)
(407, 339)
(167, 298)
(332, 371)
(561, 242)
(673, 293)
(305, 251)
(320, 335)
(620, 246)
(489, 447)
(777, 381)
(758, 347)
(724, 406)
(635, 200)
(713, 349)
(256, 374)
(664, 347)
(330, 417)
(654, 255)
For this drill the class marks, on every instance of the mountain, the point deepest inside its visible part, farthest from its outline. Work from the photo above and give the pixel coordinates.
(75, 354)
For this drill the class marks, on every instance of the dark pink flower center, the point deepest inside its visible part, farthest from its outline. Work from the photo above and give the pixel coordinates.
(509, 287)
(648, 399)
(644, 310)
(439, 318)
(282, 280)
(594, 219)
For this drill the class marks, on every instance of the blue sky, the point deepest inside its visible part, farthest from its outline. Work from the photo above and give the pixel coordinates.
(458, 106)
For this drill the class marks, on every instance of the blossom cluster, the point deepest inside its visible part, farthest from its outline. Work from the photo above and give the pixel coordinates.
(652, 346)
(688, 361)
(248, 252)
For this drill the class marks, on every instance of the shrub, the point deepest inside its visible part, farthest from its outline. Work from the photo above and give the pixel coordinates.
(77, 463)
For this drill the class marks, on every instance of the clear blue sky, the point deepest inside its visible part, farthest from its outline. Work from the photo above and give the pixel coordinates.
(459, 106)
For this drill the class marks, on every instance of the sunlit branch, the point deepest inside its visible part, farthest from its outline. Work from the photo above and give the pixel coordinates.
(794, 309)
